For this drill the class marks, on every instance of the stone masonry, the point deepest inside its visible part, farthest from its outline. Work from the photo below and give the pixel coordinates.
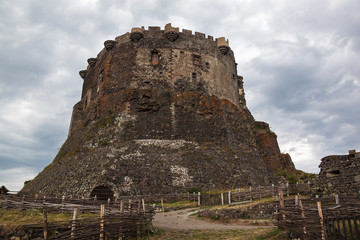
(162, 111)
(340, 174)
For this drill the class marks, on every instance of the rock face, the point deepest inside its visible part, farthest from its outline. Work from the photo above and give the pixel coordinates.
(161, 112)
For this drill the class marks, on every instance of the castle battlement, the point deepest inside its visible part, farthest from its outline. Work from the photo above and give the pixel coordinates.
(157, 32)
(152, 58)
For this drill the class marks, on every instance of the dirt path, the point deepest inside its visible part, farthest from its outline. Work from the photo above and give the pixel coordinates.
(181, 220)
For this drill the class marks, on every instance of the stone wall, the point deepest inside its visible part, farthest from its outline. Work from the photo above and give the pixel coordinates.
(162, 111)
(340, 174)
(256, 211)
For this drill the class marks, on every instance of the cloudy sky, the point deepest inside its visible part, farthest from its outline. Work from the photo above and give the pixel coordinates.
(300, 61)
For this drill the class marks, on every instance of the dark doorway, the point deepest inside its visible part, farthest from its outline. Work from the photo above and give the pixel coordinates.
(102, 193)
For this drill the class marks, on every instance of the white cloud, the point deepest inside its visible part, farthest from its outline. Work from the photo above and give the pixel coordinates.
(14, 178)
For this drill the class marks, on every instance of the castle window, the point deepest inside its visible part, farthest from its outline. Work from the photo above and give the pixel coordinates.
(207, 64)
(193, 76)
(181, 53)
(332, 172)
(196, 60)
(154, 58)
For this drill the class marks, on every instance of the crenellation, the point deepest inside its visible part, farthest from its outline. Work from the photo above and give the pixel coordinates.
(211, 38)
(186, 32)
(123, 38)
(199, 34)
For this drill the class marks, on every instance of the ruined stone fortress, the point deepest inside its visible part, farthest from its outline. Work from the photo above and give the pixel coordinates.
(162, 111)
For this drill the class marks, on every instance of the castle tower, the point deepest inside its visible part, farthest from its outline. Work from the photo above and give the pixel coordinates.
(161, 111)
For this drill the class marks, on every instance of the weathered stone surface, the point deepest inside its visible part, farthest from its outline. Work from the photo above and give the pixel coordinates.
(176, 125)
(339, 174)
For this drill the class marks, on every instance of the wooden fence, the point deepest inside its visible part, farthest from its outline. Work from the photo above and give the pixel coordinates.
(251, 193)
(132, 218)
(320, 218)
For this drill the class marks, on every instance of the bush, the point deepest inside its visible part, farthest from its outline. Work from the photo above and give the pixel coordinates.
(289, 176)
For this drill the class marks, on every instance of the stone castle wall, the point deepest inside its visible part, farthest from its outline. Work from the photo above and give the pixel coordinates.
(191, 63)
(161, 111)
(340, 174)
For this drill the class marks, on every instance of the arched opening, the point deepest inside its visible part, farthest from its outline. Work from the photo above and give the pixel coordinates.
(155, 58)
(102, 193)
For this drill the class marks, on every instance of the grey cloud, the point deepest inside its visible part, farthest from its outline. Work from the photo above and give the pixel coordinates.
(299, 61)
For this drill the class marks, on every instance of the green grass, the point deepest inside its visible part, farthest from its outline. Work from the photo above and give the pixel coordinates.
(12, 218)
(179, 205)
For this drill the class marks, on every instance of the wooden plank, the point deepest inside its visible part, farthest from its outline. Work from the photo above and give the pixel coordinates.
(102, 213)
(45, 224)
(73, 225)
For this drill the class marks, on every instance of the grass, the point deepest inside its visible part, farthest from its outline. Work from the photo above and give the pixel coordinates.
(246, 234)
(179, 205)
(12, 218)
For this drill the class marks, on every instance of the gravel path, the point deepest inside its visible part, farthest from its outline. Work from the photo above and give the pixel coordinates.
(181, 220)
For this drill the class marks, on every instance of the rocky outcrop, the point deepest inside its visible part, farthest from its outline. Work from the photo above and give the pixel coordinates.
(267, 145)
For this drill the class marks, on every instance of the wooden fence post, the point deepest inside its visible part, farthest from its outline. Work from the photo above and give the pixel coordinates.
(302, 216)
(162, 204)
(222, 198)
(321, 220)
(229, 197)
(287, 189)
(250, 195)
(282, 203)
(199, 198)
(143, 204)
(121, 206)
(337, 199)
(73, 224)
(296, 200)
(102, 213)
(45, 224)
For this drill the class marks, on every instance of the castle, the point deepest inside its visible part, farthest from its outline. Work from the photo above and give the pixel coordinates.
(161, 111)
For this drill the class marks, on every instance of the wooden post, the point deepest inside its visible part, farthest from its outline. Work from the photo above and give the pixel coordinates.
(73, 224)
(143, 204)
(229, 197)
(302, 216)
(162, 205)
(321, 220)
(139, 206)
(129, 208)
(222, 198)
(337, 199)
(296, 200)
(282, 203)
(297, 187)
(109, 202)
(250, 195)
(287, 189)
(45, 225)
(199, 198)
(272, 189)
(121, 206)
(102, 213)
